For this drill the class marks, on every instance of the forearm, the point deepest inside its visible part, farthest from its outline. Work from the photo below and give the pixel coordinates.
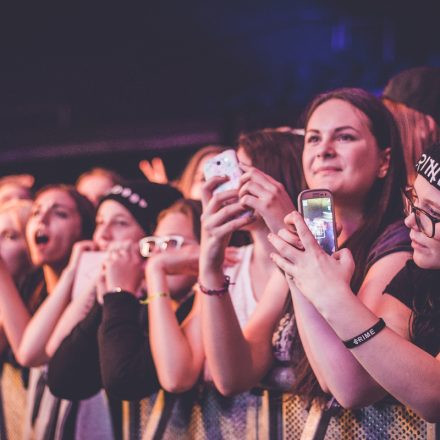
(76, 311)
(15, 315)
(408, 373)
(228, 354)
(32, 352)
(337, 370)
(127, 368)
(177, 365)
(74, 371)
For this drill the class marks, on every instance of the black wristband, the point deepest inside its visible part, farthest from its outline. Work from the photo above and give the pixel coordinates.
(366, 335)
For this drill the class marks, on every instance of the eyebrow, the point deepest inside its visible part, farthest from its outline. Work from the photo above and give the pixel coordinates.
(336, 130)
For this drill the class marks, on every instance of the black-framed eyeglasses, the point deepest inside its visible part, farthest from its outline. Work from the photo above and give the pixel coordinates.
(425, 221)
(148, 245)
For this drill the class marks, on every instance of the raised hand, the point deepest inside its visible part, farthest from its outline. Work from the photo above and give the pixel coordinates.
(78, 248)
(123, 267)
(317, 275)
(220, 218)
(266, 196)
(155, 171)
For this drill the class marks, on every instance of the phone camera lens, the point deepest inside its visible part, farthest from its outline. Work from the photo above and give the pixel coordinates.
(218, 163)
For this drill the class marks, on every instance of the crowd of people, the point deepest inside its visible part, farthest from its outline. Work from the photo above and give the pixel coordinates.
(155, 309)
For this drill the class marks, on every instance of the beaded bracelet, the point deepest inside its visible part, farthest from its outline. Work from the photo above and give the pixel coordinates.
(366, 335)
(217, 292)
(151, 298)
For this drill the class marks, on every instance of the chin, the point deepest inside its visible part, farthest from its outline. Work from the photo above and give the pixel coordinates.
(426, 261)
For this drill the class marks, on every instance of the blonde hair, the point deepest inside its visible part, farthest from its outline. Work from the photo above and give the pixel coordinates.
(187, 178)
(417, 132)
(20, 210)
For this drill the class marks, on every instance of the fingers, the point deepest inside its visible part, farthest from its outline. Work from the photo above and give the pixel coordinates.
(291, 237)
(209, 186)
(286, 250)
(257, 176)
(286, 266)
(305, 235)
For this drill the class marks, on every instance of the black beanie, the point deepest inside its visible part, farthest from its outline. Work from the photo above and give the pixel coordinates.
(144, 200)
(428, 165)
(417, 88)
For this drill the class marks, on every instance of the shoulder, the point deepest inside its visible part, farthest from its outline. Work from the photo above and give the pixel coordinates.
(394, 238)
(410, 281)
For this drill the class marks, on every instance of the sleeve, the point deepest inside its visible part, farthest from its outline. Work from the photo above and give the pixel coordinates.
(401, 286)
(127, 367)
(74, 372)
(395, 238)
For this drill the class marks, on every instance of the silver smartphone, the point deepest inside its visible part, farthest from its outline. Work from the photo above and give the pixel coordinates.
(317, 208)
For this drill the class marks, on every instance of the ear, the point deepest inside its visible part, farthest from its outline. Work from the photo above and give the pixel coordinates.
(384, 165)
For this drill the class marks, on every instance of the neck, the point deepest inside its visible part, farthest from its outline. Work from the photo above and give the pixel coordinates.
(51, 277)
(349, 218)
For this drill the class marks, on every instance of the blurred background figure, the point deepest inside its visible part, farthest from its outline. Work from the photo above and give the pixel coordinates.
(96, 182)
(16, 187)
(413, 97)
(14, 256)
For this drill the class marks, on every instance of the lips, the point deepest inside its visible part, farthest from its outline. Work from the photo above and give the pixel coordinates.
(41, 238)
(327, 169)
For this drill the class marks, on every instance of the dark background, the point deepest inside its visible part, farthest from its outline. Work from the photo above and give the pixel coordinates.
(108, 84)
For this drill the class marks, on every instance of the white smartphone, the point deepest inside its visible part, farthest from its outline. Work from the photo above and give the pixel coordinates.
(87, 272)
(224, 164)
(316, 206)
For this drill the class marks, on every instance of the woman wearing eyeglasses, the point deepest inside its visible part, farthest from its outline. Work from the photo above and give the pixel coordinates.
(397, 342)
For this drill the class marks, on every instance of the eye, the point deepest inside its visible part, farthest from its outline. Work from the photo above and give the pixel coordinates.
(345, 137)
(312, 139)
(35, 211)
(434, 214)
(10, 235)
(61, 214)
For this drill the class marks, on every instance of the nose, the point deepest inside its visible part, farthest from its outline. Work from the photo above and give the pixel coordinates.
(410, 221)
(326, 148)
(103, 233)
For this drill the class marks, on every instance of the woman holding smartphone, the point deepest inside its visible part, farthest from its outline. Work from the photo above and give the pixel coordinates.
(200, 351)
(404, 342)
(352, 148)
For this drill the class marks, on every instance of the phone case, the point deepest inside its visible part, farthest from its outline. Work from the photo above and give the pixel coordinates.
(224, 164)
(320, 217)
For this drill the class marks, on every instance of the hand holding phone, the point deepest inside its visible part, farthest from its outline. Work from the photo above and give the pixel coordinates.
(317, 208)
(224, 164)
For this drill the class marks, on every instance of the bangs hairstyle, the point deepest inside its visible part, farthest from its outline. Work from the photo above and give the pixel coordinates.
(187, 178)
(85, 208)
(190, 208)
(278, 154)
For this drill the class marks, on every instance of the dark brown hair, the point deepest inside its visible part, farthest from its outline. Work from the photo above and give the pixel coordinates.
(278, 154)
(416, 131)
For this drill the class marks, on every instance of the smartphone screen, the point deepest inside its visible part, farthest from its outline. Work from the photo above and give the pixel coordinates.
(318, 215)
